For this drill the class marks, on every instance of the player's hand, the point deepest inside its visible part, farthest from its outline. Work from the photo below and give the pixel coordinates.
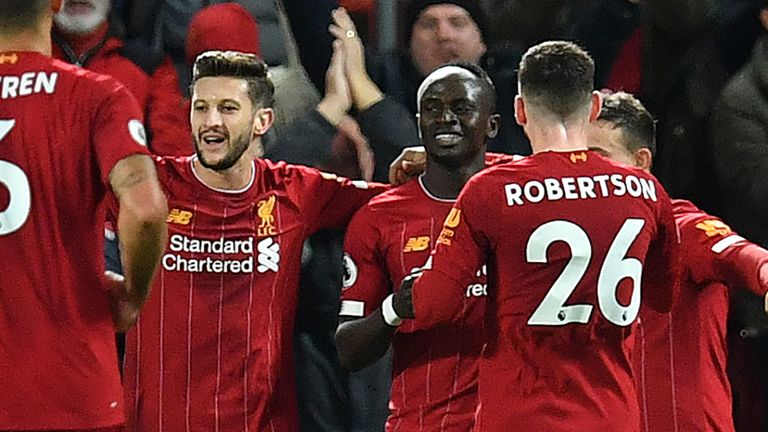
(411, 162)
(402, 301)
(113, 282)
(124, 316)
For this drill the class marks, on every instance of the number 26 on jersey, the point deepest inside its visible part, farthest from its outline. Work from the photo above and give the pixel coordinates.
(552, 311)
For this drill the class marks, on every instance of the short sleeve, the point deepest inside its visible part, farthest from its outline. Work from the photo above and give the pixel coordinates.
(366, 280)
(118, 128)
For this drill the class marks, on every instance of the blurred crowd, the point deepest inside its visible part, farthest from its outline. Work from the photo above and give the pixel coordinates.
(699, 66)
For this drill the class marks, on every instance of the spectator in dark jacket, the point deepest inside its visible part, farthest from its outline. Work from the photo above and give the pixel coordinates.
(739, 139)
(441, 31)
(83, 36)
(740, 145)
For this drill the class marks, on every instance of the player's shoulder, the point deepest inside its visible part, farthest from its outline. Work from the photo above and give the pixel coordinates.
(283, 174)
(685, 209)
(86, 80)
(173, 166)
(689, 217)
(395, 197)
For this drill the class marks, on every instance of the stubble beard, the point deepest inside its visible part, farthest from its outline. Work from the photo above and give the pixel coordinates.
(237, 148)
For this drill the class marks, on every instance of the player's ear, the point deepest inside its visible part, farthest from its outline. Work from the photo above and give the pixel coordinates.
(493, 126)
(262, 121)
(597, 106)
(644, 159)
(520, 116)
(56, 5)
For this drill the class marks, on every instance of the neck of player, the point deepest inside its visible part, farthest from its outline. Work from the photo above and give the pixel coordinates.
(32, 39)
(445, 182)
(234, 178)
(557, 136)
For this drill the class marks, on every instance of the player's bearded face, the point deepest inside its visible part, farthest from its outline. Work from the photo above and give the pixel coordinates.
(235, 148)
(222, 121)
(453, 120)
(81, 16)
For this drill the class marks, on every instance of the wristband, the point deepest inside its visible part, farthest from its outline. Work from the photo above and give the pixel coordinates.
(388, 312)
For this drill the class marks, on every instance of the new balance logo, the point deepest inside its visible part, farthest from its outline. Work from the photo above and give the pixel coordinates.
(179, 217)
(416, 244)
(713, 227)
(269, 255)
(9, 58)
(578, 157)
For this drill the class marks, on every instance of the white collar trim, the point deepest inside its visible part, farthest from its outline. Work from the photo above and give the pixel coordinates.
(429, 194)
(227, 191)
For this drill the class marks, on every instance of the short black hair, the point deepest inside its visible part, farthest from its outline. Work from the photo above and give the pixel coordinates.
(482, 77)
(628, 114)
(234, 64)
(557, 76)
(18, 15)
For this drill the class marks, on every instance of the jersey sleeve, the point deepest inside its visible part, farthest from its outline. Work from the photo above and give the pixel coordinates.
(330, 201)
(366, 280)
(717, 254)
(118, 129)
(662, 270)
(438, 294)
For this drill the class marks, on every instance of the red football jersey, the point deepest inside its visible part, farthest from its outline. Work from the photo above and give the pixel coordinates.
(62, 129)
(434, 370)
(680, 357)
(569, 238)
(212, 349)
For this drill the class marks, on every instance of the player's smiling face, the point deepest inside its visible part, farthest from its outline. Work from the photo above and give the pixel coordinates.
(222, 121)
(454, 119)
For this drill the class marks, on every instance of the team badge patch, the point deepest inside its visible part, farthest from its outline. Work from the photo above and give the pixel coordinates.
(136, 129)
(350, 272)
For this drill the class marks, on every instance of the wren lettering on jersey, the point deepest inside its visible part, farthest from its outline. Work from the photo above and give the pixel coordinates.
(27, 84)
(573, 188)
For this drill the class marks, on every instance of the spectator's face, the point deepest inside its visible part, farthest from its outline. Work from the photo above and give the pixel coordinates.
(605, 138)
(81, 16)
(454, 120)
(221, 120)
(445, 33)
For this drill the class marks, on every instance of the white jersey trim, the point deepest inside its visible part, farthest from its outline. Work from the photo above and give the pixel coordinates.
(227, 191)
(352, 308)
(727, 242)
(429, 194)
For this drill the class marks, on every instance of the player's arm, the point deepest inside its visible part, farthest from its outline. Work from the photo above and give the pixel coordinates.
(329, 201)
(363, 335)
(437, 294)
(724, 256)
(120, 147)
(143, 233)
(412, 161)
(662, 269)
